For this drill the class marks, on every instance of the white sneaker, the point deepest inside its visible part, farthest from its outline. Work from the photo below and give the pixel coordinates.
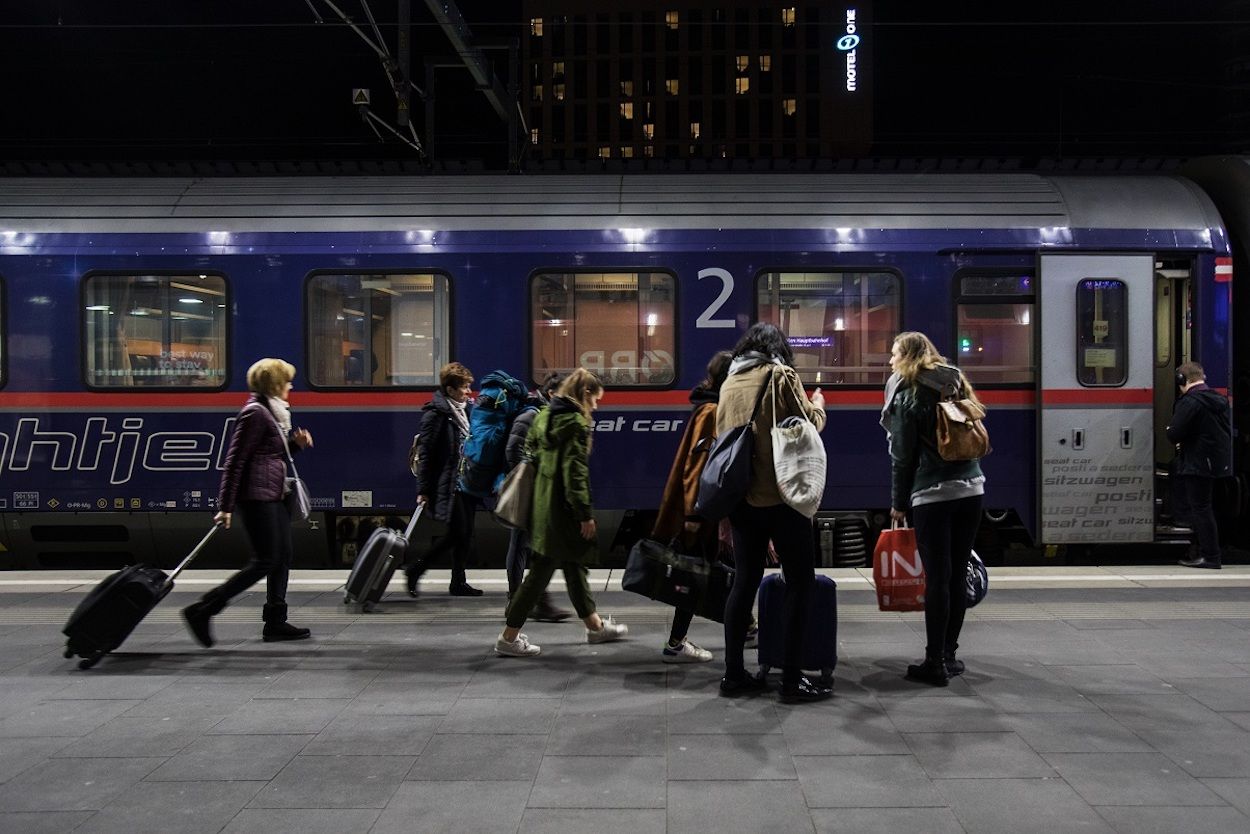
(687, 652)
(611, 631)
(520, 647)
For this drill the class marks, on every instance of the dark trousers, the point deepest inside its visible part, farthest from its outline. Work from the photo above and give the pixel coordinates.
(458, 538)
(1192, 499)
(518, 557)
(703, 543)
(792, 537)
(576, 580)
(268, 526)
(945, 532)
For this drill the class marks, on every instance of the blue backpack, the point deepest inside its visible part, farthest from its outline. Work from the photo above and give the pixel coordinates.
(482, 463)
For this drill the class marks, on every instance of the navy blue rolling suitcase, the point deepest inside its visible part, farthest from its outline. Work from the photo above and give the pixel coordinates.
(107, 615)
(820, 627)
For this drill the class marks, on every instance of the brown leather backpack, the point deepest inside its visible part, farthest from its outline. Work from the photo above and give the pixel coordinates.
(960, 433)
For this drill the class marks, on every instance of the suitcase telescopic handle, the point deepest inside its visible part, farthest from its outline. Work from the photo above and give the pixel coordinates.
(412, 523)
(195, 551)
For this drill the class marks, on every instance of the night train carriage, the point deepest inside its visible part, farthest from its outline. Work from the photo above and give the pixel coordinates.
(842, 261)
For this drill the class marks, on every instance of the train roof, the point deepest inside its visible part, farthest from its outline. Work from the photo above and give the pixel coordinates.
(669, 201)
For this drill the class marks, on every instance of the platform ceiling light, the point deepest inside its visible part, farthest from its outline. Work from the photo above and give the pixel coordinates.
(98, 307)
(634, 235)
(190, 301)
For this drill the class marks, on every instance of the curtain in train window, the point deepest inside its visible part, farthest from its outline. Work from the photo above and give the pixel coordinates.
(994, 329)
(618, 324)
(841, 325)
(155, 331)
(1101, 332)
(377, 331)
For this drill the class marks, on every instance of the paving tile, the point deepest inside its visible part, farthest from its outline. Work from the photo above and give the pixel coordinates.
(292, 716)
(719, 807)
(463, 757)
(125, 736)
(43, 822)
(1164, 713)
(196, 700)
(1235, 792)
(303, 821)
(72, 784)
(19, 754)
(509, 679)
(492, 715)
(355, 734)
(335, 782)
(1156, 820)
(976, 755)
(607, 735)
(1219, 694)
(597, 820)
(1205, 753)
(723, 757)
(942, 715)
(1021, 806)
(393, 697)
(1075, 733)
(231, 757)
(461, 807)
(599, 782)
(1130, 779)
(61, 718)
(116, 685)
(1112, 679)
(1241, 719)
(303, 683)
(172, 808)
(1031, 695)
(865, 782)
(751, 716)
(838, 728)
(886, 821)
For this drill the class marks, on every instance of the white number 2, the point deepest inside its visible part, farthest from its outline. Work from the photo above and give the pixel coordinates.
(727, 287)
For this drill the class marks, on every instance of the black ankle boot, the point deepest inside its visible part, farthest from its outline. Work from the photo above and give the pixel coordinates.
(199, 617)
(953, 667)
(931, 671)
(412, 575)
(275, 632)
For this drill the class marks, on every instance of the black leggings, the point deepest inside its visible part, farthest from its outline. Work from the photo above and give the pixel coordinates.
(945, 532)
(458, 538)
(792, 536)
(268, 526)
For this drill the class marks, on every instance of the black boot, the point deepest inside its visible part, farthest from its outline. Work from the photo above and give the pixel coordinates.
(463, 589)
(546, 611)
(954, 667)
(931, 670)
(276, 626)
(199, 615)
(412, 575)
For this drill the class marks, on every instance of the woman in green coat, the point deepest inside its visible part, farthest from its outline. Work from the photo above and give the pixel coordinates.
(562, 526)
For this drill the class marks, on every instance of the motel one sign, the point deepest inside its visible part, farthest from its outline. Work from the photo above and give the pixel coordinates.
(847, 45)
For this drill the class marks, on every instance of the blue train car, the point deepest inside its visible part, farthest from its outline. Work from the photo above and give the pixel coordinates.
(131, 310)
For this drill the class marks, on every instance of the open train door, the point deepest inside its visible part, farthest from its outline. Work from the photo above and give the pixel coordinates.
(1096, 445)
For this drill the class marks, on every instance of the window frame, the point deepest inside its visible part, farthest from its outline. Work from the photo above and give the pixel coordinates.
(4, 333)
(959, 298)
(306, 329)
(598, 270)
(761, 274)
(227, 338)
(1076, 334)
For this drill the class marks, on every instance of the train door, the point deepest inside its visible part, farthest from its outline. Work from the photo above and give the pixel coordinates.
(1173, 315)
(1097, 372)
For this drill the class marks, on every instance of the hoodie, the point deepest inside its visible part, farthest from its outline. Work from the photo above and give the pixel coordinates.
(1201, 429)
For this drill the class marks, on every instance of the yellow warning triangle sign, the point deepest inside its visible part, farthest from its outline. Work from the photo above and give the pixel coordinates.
(360, 95)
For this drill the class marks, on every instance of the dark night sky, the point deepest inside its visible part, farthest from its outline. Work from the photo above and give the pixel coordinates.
(231, 79)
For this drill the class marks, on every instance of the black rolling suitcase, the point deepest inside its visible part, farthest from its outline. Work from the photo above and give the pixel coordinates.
(376, 564)
(107, 615)
(820, 628)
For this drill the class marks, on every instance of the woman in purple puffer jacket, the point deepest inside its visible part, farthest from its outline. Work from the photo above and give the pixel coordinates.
(253, 484)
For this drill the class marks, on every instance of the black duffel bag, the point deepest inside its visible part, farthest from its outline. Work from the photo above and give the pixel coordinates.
(660, 572)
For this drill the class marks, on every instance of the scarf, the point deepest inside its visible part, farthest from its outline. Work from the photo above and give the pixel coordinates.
(751, 359)
(458, 414)
(281, 410)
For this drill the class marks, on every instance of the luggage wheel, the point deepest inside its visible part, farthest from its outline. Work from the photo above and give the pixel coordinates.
(90, 660)
(368, 607)
(348, 599)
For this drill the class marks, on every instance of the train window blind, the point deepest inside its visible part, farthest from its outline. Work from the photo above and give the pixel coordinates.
(1101, 332)
(377, 330)
(841, 325)
(995, 317)
(155, 331)
(621, 325)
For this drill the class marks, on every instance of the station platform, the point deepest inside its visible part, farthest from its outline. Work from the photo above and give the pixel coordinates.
(1095, 700)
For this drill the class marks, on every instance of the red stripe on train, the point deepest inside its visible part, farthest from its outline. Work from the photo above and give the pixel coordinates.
(1098, 396)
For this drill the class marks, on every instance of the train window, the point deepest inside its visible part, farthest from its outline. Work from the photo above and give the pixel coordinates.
(1101, 332)
(155, 331)
(379, 331)
(618, 324)
(840, 324)
(3, 338)
(994, 328)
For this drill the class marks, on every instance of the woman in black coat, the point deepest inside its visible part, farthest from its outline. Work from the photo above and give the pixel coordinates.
(444, 426)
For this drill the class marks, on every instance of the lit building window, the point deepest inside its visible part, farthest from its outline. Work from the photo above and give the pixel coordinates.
(672, 18)
(766, 63)
(744, 61)
(538, 92)
(605, 152)
(788, 106)
(742, 86)
(787, 16)
(627, 88)
(648, 130)
(557, 92)
(627, 110)
(557, 68)
(627, 151)
(648, 150)
(533, 136)
(694, 130)
(536, 27)
(670, 86)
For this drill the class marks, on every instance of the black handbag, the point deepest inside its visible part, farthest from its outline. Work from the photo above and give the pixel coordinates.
(726, 474)
(658, 571)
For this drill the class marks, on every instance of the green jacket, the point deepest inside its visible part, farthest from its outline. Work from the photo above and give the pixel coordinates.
(559, 444)
(910, 420)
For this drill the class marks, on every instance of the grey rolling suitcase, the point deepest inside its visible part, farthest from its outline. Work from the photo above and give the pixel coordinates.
(376, 564)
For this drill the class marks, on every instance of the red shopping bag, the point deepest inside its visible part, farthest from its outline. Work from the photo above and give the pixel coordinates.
(897, 570)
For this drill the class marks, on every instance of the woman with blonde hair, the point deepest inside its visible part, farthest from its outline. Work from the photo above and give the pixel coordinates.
(562, 525)
(253, 484)
(943, 497)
